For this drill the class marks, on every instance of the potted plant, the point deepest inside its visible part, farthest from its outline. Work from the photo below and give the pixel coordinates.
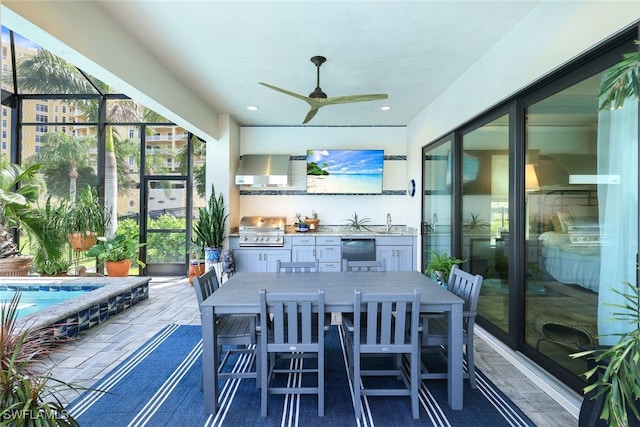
(209, 228)
(357, 224)
(52, 266)
(300, 224)
(197, 262)
(85, 219)
(19, 190)
(27, 390)
(614, 371)
(313, 221)
(116, 253)
(440, 266)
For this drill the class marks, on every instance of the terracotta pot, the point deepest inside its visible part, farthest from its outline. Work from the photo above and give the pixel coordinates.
(118, 268)
(82, 241)
(312, 224)
(196, 270)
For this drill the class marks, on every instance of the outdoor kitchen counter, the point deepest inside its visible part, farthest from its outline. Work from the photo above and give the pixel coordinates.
(395, 231)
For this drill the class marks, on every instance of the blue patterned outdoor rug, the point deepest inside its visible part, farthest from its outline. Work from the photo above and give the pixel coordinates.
(159, 385)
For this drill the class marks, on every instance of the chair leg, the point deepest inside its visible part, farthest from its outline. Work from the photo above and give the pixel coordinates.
(415, 383)
(264, 379)
(471, 364)
(321, 384)
(356, 387)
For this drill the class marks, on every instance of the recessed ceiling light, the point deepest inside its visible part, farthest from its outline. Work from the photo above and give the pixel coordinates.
(385, 108)
(252, 108)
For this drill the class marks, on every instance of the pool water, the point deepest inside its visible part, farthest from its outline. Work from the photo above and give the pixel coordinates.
(36, 298)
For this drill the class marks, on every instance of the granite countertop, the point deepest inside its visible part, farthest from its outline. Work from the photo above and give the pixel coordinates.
(338, 230)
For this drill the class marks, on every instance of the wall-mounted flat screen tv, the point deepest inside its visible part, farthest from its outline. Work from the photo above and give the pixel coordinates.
(344, 171)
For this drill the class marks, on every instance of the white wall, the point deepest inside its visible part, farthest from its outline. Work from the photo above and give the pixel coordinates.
(333, 210)
(551, 35)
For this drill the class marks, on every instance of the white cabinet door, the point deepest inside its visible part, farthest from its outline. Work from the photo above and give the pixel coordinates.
(396, 258)
(260, 260)
(250, 260)
(303, 253)
(272, 256)
(328, 253)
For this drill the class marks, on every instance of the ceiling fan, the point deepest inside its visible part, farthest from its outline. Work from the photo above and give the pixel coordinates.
(318, 99)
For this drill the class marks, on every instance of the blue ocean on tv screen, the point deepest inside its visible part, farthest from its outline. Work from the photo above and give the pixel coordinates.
(345, 171)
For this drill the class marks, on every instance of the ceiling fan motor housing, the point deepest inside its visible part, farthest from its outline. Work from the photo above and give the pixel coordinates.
(318, 61)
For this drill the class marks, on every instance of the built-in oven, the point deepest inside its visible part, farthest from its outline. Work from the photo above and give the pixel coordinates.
(359, 249)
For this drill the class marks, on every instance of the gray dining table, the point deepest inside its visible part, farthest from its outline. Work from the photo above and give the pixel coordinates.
(240, 295)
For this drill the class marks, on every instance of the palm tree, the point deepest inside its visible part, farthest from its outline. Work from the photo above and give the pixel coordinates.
(48, 73)
(66, 160)
(199, 149)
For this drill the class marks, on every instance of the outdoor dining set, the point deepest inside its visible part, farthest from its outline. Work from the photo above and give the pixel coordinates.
(283, 317)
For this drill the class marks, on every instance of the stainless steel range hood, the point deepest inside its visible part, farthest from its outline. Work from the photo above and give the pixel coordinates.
(263, 170)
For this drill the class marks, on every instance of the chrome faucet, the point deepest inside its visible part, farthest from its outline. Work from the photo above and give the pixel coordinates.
(388, 222)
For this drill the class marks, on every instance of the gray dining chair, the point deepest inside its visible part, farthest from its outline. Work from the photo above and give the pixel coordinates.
(236, 334)
(384, 325)
(434, 325)
(378, 265)
(298, 266)
(295, 330)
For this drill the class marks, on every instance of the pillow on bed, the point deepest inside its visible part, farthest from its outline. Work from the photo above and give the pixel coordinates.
(555, 223)
(584, 215)
(566, 220)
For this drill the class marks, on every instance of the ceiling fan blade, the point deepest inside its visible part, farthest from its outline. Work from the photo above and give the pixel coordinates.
(310, 115)
(354, 98)
(318, 99)
(286, 92)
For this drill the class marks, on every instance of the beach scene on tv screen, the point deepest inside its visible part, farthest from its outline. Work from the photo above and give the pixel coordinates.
(344, 171)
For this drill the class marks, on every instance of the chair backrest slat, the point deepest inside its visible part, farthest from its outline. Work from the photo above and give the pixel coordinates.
(298, 266)
(389, 319)
(378, 265)
(294, 317)
(467, 287)
(205, 285)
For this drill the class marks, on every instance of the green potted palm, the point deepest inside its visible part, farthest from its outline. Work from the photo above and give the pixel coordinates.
(440, 265)
(116, 253)
(209, 227)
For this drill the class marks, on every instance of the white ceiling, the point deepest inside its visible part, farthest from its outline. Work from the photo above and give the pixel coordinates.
(411, 50)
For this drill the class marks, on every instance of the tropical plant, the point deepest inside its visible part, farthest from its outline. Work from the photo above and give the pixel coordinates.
(118, 248)
(19, 190)
(199, 149)
(27, 389)
(44, 72)
(357, 224)
(67, 163)
(616, 374)
(474, 223)
(52, 266)
(86, 214)
(622, 81)
(209, 228)
(441, 264)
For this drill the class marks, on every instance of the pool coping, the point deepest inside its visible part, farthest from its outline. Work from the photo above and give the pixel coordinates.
(68, 318)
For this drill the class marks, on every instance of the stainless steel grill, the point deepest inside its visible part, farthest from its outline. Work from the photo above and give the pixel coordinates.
(260, 231)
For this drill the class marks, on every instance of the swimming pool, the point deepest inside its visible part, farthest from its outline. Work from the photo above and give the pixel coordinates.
(99, 299)
(35, 297)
